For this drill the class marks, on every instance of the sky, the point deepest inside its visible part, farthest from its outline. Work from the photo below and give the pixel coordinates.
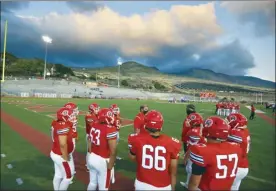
(235, 38)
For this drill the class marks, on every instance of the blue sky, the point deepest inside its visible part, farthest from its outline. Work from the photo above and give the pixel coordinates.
(236, 38)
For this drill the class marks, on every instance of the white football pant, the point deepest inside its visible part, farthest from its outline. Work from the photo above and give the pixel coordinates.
(98, 173)
(63, 172)
(144, 186)
(241, 174)
(188, 170)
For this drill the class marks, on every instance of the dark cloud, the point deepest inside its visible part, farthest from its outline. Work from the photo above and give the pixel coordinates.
(8, 6)
(231, 58)
(84, 6)
(260, 14)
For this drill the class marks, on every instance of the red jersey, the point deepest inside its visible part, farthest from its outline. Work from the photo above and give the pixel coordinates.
(61, 128)
(153, 156)
(99, 136)
(185, 128)
(90, 118)
(117, 122)
(253, 109)
(242, 137)
(139, 123)
(194, 137)
(220, 161)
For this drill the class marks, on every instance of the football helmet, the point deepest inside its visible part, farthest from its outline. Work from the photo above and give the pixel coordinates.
(72, 106)
(194, 137)
(195, 119)
(65, 114)
(115, 109)
(94, 108)
(216, 128)
(237, 120)
(154, 120)
(106, 116)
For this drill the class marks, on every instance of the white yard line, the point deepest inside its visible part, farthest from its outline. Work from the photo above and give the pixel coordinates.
(257, 110)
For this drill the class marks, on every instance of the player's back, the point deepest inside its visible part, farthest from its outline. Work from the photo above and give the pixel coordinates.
(221, 161)
(153, 155)
(99, 134)
(60, 128)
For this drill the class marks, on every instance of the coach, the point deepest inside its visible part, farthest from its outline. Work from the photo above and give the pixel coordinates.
(139, 120)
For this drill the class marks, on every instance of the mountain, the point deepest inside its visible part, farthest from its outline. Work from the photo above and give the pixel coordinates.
(125, 69)
(219, 77)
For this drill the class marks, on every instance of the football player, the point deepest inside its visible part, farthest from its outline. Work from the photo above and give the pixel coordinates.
(214, 163)
(117, 119)
(62, 137)
(74, 124)
(190, 108)
(103, 137)
(90, 118)
(156, 155)
(139, 120)
(239, 133)
(193, 137)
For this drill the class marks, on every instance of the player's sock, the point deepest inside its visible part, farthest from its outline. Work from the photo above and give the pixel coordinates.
(56, 182)
(65, 183)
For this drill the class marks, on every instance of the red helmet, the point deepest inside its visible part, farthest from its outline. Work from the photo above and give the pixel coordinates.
(194, 136)
(236, 120)
(72, 106)
(65, 114)
(94, 108)
(106, 116)
(115, 109)
(154, 120)
(195, 119)
(216, 127)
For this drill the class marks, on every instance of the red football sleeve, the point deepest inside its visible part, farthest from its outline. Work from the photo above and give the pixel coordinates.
(111, 133)
(175, 149)
(137, 122)
(131, 143)
(197, 155)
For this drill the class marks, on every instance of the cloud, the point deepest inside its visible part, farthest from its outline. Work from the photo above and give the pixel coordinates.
(167, 39)
(9, 6)
(259, 13)
(84, 6)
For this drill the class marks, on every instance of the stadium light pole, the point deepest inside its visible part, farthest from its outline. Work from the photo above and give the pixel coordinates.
(119, 62)
(47, 41)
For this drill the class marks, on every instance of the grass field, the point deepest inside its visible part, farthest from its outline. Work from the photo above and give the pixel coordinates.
(36, 169)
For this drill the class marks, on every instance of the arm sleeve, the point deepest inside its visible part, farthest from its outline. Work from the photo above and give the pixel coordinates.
(131, 144)
(111, 133)
(197, 155)
(175, 149)
(197, 170)
(137, 122)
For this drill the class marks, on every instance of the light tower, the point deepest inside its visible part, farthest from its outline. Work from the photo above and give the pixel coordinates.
(47, 41)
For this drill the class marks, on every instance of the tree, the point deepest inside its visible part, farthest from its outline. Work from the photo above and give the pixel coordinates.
(124, 83)
(159, 86)
(92, 77)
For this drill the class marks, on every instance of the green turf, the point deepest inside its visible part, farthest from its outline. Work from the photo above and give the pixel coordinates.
(35, 169)
(261, 156)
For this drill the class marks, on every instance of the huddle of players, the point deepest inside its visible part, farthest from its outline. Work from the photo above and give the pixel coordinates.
(227, 108)
(214, 152)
